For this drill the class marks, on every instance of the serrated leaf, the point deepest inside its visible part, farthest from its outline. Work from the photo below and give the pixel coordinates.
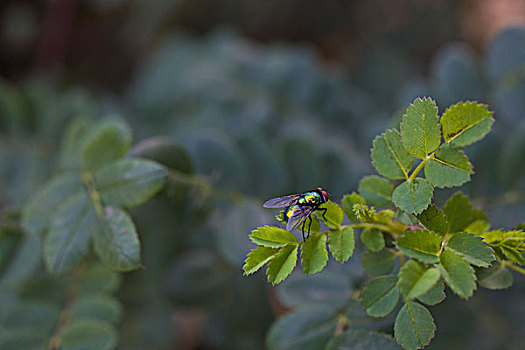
(496, 276)
(414, 327)
(450, 167)
(415, 279)
(97, 307)
(257, 258)
(376, 190)
(421, 245)
(389, 157)
(420, 131)
(433, 219)
(477, 227)
(413, 196)
(513, 254)
(107, 142)
(313, 253)
(89, 334)
(458, 273)
(282, 264)
(472, 248)
(435, 295)
(361, 339)
(459, 212)
(377, 264)
(379, 297)
(70, 231)
(273, 237)
(334, 214)
(341, 243)
(348, 205)
(116, 240)
(465, 123)
(129, 182)
(38, 212)
(306, 329)
(373, 239)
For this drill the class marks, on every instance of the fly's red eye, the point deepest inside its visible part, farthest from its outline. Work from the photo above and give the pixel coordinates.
(325, 195)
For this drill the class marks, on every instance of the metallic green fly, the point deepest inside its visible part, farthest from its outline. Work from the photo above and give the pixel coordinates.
(299, 207)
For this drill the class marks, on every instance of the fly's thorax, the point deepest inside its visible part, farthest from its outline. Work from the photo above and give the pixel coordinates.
(310, 198)
(287, 213)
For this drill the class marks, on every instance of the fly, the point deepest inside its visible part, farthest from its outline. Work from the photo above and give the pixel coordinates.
(299, 207)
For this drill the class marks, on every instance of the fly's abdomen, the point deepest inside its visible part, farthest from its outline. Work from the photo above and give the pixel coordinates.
(309, 198)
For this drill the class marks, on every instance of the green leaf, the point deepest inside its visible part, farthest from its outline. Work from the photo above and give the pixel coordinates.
(458, 273)
(361, 339)
(38, 212)
(379, 297)
(282, 264)
(414, 327)
(472, 248)
(450, 167)
(89, 334)
(273, 237)
(305, 329)
(116, 241)
(98, 279)
(435, 295)
(477, 227)
(341, 243)
(313, 253)
(97, 307)
(380, 263)
(459, 212)
(421, 245)
(420, 131)
(513, 254)
(129, 182)
(27, 314)
(107, 142)
(465, 123)
(27, 339)
(496, 276)
(72, 143)
(376, 190)
(389, 157)
(257, 258)
(373, 239)
(433, 219)
(348, 205)
(334, 215)
(413, 196)
(415, 279)
(67, 241)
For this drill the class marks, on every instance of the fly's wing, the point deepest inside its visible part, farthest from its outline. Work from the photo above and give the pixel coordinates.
(281, 202)
(299, 214)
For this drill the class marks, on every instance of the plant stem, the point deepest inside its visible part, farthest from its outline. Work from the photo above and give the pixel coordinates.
(515, 268)
(419, 167)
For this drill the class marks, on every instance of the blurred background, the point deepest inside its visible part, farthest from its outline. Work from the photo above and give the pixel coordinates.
(253, 99)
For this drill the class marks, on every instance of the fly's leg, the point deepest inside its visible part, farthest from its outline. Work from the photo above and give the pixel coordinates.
(324, 212)
(302, 230)
(309, 225)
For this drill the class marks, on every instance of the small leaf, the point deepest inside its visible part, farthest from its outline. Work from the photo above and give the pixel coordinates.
(433, 219)
(421, 245)
(377, 264)
(435, 295)
(376, 190)
(282, 264)
(420, 131)
(415, 279)
(334, 215)
(348, 205)
(373, 239)
(38, 212)
(477, 227)
(472, 248)
(496, 276)
(458, 273)
(116, 241)
(389, 157)
(97, 307)
(379, 297)
(465, 123)
(459, 212)
(129, 182)
(273, 237)
(362, 339)
(513, 254)
(313, 253)
(257, 258)
(341, 243)
(413, 196)
(69, 234)
(107, 142)
(450, 167)
(89, 334)
(72, 143)
(414, 327)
